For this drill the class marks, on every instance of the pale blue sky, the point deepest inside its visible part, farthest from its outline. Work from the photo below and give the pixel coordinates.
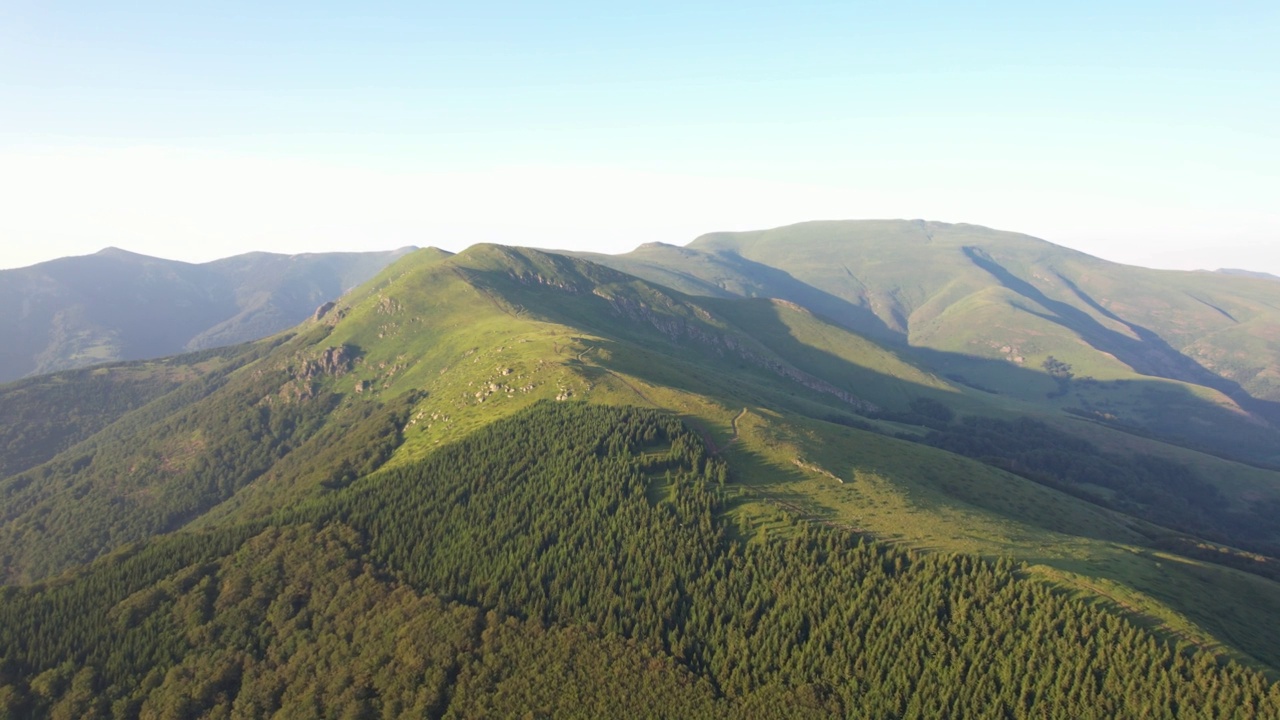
(1141, 132)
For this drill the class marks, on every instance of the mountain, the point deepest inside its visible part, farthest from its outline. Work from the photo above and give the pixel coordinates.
(1185, 355)
(511, 481)
(1248, 273)
(118, 305)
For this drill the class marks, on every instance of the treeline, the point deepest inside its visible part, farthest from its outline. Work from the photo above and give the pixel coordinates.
(575, 560)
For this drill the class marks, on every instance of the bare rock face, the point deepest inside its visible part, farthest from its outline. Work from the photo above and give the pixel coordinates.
(333, 361)
(529, 278)
(323, 310)
(305, 375)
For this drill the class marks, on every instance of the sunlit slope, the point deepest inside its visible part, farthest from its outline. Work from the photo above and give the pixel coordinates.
(926, 498)
(495, 328)
(990, 308)
(502, 327)
(429, 351)
(1147, 319)
(906, 273)
(438, 347)
(621, 360)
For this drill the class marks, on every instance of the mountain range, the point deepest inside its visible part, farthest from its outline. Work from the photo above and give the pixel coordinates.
(117, 305)
(979, 305)
(869, 468)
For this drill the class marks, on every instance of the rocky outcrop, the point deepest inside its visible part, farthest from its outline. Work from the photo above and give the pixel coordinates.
(332, 361)
(529, 278)
(323, 310)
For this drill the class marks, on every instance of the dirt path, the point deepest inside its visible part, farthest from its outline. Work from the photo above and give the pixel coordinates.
(736, 418)
(706, 436)
(630, 387)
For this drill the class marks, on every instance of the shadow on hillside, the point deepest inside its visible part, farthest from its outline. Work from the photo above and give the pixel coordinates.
(781, 285)
(1146, 353)
(668, 322)
(1191, 589)
(672, 344)
(1151, 409)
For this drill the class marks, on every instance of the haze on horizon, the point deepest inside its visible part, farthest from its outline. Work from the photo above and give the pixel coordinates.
(1142, 134)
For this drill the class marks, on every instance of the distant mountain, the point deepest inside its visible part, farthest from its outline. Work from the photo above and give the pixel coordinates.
(1248, 273)
(991, 308)
(510, 481)
(117, 305)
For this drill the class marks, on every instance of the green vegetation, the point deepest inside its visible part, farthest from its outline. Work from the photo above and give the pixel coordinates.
(993, 307)
(43, 416)
(1153, 488)
(404, 508)
(503, 564)
(171, 461)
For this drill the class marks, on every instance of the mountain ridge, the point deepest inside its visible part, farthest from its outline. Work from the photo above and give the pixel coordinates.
(980, 300)
(119, 305)
(460, 421)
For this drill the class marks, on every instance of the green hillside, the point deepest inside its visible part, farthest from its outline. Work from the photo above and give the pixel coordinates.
(1188, 356)
(515, 454)
(41, 417)
(574, 561)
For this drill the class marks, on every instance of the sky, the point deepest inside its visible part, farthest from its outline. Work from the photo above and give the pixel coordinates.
(1142, 132)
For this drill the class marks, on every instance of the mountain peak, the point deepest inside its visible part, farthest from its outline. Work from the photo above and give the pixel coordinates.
(112, 251)
(1237, 272)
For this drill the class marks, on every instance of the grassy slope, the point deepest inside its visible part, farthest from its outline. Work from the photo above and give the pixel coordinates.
(493, 329)
(933, 500)
(487, 351)
(1188, 355)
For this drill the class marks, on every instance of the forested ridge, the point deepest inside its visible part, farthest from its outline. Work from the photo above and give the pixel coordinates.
(173, 459)
(42, 416)
(576, 560)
